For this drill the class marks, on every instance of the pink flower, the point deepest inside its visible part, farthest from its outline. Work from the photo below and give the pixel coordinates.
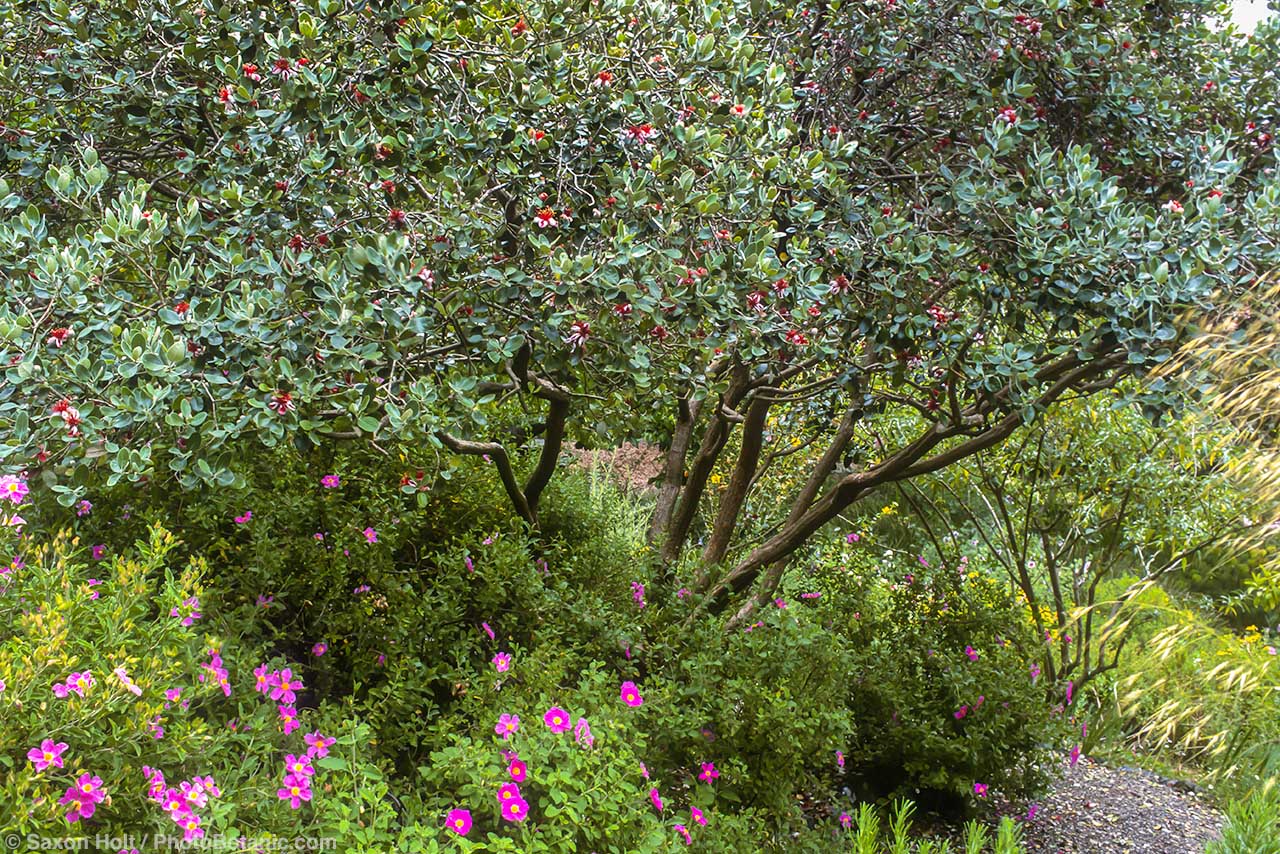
(637, 593)
(261, 679)
(508, 792)
(283, 686)
(189, 610)
(517, 770)
(331, 481)
(507, 725)
(295, 790)
(961, 712)
(1075, 755)
(1031, 811)
(98, 552)
(557, 720)
(709, 772)
(459, 821)
(488, 631)
(515, 809)
(299, 765)
(697, 816)
(289, 718)
(83, 797)
(319, 649)
(840, 759)
(370, 535)
(244, 517)
(631, 694)
(47, 755)
(846, 820)
(317, 745)
(1035, 673)
(971, 653)
(582, 733)
(502, 662)
(79, 682)
(129, 684)
(1070, 687)
(684, 831)
(656, 799)
(13, 489)
(980, 789)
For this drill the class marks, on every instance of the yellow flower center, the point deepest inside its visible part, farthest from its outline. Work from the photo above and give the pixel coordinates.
(48, 757)
(294, 790)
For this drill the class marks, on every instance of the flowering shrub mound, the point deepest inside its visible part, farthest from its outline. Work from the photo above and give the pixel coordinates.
(495, 691)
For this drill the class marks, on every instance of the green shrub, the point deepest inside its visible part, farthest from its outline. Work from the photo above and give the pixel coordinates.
(930, 719)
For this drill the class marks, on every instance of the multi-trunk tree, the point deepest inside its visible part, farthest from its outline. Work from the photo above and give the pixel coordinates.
(227, 222)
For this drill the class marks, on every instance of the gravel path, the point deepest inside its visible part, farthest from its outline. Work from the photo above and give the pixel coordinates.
(1094, 809)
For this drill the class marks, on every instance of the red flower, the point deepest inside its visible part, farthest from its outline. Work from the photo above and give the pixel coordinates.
(642, 134)
(397, 218)
(1008, 115)
(282, 185)
(182, 307)
(520, 28)
(58, 337)
(545, 218)
(622, 309)
(659, 333)
(281, 403)
(428, 277)
(840, 285)
(297, 242)
(382, 152)
(251, 71)
(282, 68)
(579, 332)
(388, 186)
(603, 79)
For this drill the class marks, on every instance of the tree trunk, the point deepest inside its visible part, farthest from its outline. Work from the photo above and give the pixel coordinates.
(768, 588)
(673, 470)
(735, 494)
(713, 442)
(552, 442)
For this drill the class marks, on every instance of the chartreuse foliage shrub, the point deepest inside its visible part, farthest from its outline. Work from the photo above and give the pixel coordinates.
(417, 639)
(1252, 826)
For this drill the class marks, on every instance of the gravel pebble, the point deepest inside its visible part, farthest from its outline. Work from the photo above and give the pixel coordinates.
(1094, 809)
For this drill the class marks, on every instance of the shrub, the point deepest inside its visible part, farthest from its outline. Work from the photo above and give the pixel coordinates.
(942, 686)
(128, 708)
